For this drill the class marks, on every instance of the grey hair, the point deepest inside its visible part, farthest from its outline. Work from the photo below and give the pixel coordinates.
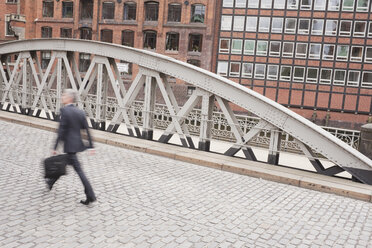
(71, 93)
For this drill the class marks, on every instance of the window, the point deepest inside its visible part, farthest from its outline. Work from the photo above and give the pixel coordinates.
(370, 29)
(253, 4)
(325, 76)
(277, 25)
(285, 73)
(127, 38)
(151, 11)
(108, 10)
(339, 77)
(301, 50)
(222, 68)
(251, 24)
(247, 70)
(334, 5)
(67, 9)
(342, 52)
(194, 62)
(240, 3)
(224, 46)
(356, 54)
(362, 5)
(345, 29)
(331, 27)
(172, 41)
(314, 51)
(239, 23)
(348, 5)
(228, 3)
(261, 48)
(66, 33)
(106, 35)
(86, 9)
(266, 4)
(312, 75)
(305, 4)
(226, 22)
(290, 25)
(234, 69)
(317, 27)
(353, 78)
(319, 4)
(368, 54)
(190, 90)
(299, 74)
(130, 10)
(11, 1)
(272, 72)
(84, 61)
(249, 46)
(45, 59)
(8, 27)
(279, 4)
(149, 39)
(197, 13)
(195, 42)
(46, 32)
(48, 8)
(292, 4)
(303, 26)
(259, 71)
(360, 29)
(328, 51)
(174, 12)
(86, 33)
(264, 24)
(236, 46)
(367, 79)
(288, 48)
(275, 48)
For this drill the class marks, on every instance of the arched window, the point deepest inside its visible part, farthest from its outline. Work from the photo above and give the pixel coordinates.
(195, 42)
(197, 13)
(149, 39)
(108, 10)
(106, 35)
(174, 12)
(127, 38)
(172, 41)
(86, 9)
(151, 11)
(130, 9)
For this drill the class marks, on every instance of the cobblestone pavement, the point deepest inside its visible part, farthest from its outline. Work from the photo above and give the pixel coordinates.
(150, 201)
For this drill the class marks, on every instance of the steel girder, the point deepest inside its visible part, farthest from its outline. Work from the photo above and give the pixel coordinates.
(271, 113)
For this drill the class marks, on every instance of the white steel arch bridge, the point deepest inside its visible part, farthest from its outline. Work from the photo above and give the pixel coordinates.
(28, 89)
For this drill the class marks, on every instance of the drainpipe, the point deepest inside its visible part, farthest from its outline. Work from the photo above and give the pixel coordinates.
(98, 7)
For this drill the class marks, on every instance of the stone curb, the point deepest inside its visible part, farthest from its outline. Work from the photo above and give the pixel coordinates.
(265, 171)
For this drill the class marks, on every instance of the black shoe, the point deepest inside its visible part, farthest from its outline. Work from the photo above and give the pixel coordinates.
(87, 201)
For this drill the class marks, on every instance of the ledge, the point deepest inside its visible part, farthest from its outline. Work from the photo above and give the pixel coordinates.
(265, 171)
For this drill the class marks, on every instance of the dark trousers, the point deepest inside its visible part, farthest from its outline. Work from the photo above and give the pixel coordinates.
(72, 160)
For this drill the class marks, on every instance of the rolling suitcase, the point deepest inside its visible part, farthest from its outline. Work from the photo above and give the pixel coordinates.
(55, 166)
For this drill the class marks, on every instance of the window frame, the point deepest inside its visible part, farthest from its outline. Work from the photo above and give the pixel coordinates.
(348, 8)
(219, 67)
(236, 51)
(317, 31)
(325, 81)
(274, 21)
(292, 6)
(266, 28)
(364, 83)
(353, 83)
(223, 50)
(245, 46)
(359, 34)
(259, 76)
(327, 56)
(146, 39)
(44, 8)
(301, 55)
(285, 77)
(249, 27)
(239, 22)
(234, 74)
(366, 58)
(342, 58)
(333, 32)
(299, 79)
(311, 80)
(306, 6)
(149, 7)
(261, 53)
(107, 3)
(345, 33)
(317, 6)
(65, 9)
(334, 7)
(337, 81)
(359, 58)
(287, 30)
(241, 4)
(244, 73)
(226, 19)
(195, 17)
(362, 9)
(313, 55)
(275, 53)
(169, 41)
(271, 76)
(286, 54)
(303, 31)
(127, 8)
(190, 45)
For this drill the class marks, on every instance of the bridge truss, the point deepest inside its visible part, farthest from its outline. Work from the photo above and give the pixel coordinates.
(28, 89)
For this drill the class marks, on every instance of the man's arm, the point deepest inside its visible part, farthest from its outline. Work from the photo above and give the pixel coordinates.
(86, 127)
(61, 129)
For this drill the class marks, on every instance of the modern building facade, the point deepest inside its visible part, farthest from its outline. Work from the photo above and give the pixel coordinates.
(314, 56)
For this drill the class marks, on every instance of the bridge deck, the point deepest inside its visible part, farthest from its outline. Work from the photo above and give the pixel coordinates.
(146, 200)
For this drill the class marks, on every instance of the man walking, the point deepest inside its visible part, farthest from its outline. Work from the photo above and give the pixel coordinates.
(71, 122)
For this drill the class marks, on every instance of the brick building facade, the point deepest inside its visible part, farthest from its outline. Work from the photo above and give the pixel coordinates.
(314, 56)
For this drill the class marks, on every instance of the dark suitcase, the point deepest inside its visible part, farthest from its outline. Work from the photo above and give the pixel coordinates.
(55, 166)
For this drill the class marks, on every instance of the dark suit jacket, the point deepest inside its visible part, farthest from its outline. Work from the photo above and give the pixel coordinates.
(71, 122)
